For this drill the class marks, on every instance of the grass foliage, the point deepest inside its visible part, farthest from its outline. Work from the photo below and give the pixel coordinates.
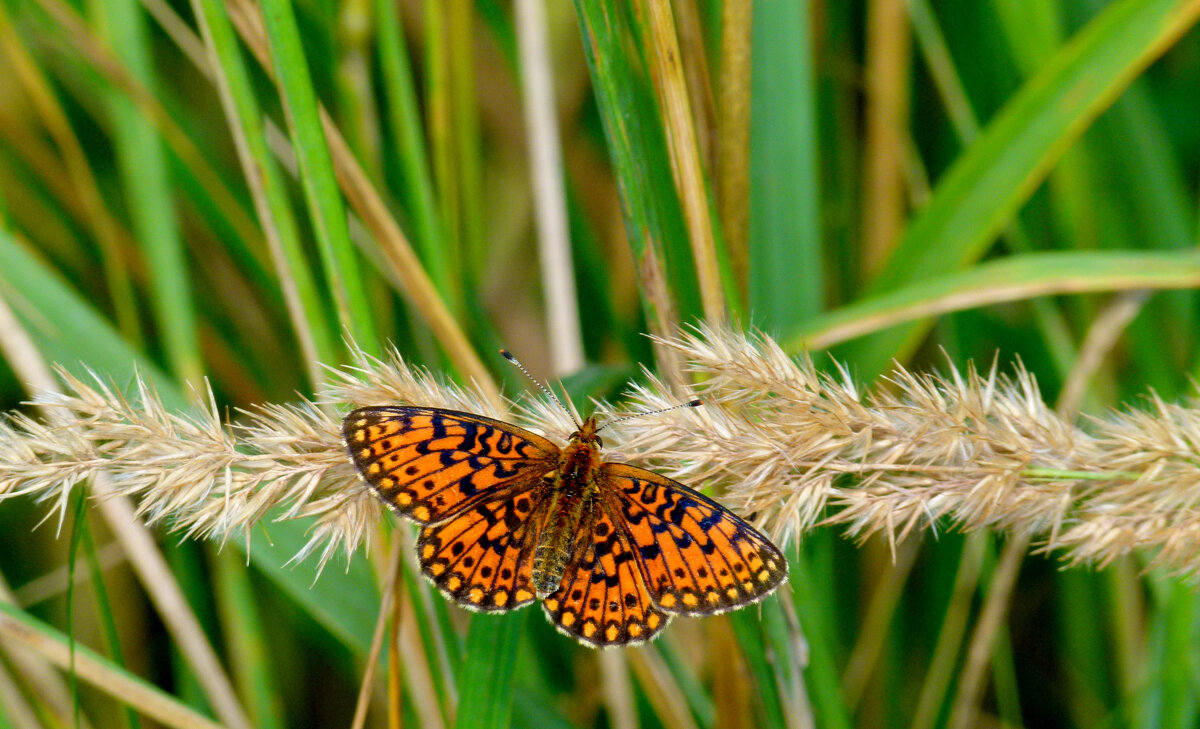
(220, 219)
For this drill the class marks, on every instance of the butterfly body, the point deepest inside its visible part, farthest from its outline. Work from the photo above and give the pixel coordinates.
(508, 517)
(570, 495)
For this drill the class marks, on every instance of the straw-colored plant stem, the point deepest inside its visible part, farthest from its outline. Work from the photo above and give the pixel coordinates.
(685, 155)
(661, 690)
(888, 61)
(154, 704)
(388, 615)
(550, 206)
(46, 685)
(950, 634)
(733, 136)
(876, 620)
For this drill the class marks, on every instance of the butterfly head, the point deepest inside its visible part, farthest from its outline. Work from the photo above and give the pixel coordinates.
(587, 434)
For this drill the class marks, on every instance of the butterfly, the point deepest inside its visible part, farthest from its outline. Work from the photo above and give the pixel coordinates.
(613, 551)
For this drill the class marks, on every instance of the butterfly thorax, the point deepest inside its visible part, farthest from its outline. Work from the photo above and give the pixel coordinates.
(572, 491)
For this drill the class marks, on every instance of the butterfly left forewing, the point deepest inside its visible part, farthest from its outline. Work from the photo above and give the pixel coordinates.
(602, 600)
(696, 556)
(429, 463)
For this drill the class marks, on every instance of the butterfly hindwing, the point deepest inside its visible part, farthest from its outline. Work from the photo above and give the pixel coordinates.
(696, 556)
(429, 463)
(483, 557)
(602, 600)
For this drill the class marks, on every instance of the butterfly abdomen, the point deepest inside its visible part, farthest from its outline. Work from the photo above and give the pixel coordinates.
(571, 494)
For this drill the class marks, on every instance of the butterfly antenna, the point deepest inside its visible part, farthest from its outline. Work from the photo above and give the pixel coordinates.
(509, 356)
(688, 404)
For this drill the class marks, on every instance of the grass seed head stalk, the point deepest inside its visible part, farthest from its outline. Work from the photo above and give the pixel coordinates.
(787, 446)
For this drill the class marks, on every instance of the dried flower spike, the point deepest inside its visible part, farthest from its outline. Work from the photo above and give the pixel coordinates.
(785, 445)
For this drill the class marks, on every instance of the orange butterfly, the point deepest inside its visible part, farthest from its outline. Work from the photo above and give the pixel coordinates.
(611, 550)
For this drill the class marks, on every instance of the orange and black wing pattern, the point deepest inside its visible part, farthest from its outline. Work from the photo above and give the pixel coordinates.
(602, 600)
(697, 558)
(430, 464)
(483, 557)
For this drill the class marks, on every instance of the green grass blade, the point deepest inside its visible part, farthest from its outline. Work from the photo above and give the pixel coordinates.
(78, 527)
(751, 636)
(404, 121)
(267, 184)
(105, 616)
(1065, 177)
(1176, 685)
(1009, 279)
(344, 601)
(698, 698)
(316, 173)
(1161, 212)
(652, 212)
(787, 273)
(485, 687)
(822, 674)
(466, 142)
(987, 185)
(144, 174)
(245, 641)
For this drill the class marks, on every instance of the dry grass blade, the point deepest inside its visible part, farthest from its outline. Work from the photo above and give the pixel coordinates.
(149, 701)
(550, 205)
(685, 154)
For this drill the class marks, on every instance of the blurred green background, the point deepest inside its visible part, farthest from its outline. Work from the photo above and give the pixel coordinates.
(882, 180)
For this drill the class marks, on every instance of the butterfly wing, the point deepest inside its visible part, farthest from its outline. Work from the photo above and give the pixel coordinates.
(482, 558)
(430, 464)
(696, 556)
(602, 600)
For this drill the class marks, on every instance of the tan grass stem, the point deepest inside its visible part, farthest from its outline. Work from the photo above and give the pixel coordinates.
(733, 136)
(389, 581)
(151, 567)
(146, 699)
(950, 635)
(683, 146)
(549, 199)
(995, 610)
(660, 688)
(16, 708)
(617, 689)
(872, 636)
(36, 673)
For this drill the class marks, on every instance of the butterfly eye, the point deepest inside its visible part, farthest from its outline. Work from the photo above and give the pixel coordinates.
(599, 441)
